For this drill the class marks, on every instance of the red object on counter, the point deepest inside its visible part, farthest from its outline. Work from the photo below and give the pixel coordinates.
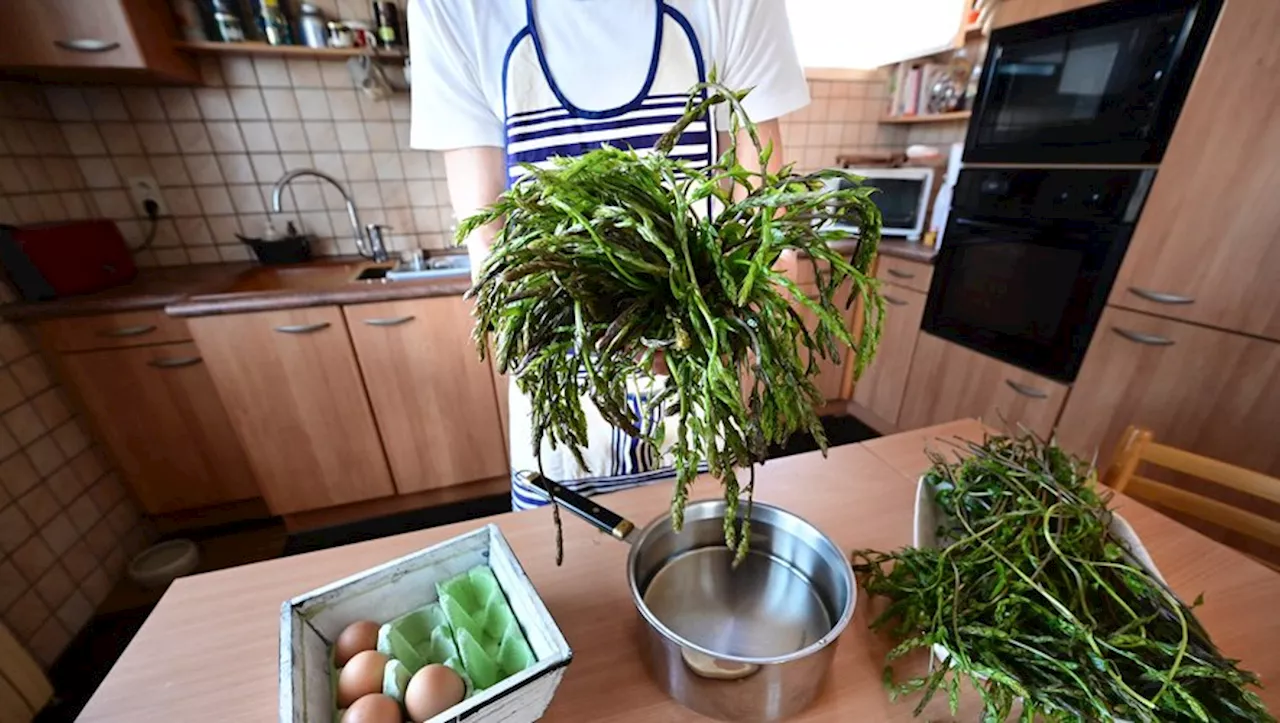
(53, 260)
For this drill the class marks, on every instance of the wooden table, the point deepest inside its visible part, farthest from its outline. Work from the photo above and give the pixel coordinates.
(209, 651)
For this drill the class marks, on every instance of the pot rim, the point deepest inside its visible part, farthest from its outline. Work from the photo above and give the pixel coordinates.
(829, 638)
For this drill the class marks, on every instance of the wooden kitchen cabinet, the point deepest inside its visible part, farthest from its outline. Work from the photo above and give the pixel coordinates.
(914, 275)
(1012, 12)
(292, 388)
(93, 39)
(884, 381)
(110, 331)
(433, 398)
(1205, 249)
(834, 376)
(156, 409)
(1207, 391)
(948, 382)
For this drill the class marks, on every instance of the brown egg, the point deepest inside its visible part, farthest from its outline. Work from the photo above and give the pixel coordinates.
(356, 637)
(433, 690)
(374, 708)
(361, 676)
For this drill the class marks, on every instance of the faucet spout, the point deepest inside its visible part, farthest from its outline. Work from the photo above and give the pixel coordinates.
(375, 251)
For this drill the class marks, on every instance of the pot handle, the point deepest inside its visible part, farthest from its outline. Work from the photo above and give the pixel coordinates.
(606, 520)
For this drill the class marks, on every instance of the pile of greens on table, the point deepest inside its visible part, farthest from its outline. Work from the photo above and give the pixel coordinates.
(1036, 602)
(607, 260)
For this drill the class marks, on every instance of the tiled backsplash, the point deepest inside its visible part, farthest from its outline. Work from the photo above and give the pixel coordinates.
(215, 150)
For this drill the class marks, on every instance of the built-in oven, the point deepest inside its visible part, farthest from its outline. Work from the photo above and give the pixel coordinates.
(1099, 85)
(1029, 259)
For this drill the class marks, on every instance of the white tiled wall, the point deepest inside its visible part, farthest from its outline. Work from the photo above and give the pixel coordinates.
(217, 149)
(67, 524)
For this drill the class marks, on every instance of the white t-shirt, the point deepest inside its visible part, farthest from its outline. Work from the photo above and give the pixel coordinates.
(599, 52)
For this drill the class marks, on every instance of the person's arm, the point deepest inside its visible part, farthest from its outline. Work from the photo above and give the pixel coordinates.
(452, 114)
(476, 177)
(769, 132)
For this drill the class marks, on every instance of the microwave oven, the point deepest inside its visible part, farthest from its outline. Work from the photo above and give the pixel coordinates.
(1100, 85)
(902, 197)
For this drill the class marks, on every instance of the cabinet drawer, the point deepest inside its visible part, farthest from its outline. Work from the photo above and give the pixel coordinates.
(111, 331)
(900, 272)
(948, 382)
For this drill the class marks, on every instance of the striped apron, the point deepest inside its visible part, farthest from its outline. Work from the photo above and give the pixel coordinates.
(542, 123)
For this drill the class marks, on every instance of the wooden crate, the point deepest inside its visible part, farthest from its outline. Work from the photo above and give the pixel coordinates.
(311, 622)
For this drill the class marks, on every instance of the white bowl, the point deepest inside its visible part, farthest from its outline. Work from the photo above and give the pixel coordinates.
(160, 564)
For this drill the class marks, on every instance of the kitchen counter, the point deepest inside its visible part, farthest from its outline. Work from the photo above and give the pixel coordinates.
(209, 651)
(232, 288)
(205, 289)
(909, 250)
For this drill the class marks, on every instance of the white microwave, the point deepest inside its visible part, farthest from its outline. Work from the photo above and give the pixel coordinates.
(903, 199)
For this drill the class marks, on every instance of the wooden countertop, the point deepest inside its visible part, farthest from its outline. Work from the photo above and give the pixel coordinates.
(151, 289)
(206, 289)
(209, 651)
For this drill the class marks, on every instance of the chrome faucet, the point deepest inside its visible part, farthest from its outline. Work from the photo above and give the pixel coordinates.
(374, 248)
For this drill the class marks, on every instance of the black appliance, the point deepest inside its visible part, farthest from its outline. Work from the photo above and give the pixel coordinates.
(1099, 85)
(1029, 259)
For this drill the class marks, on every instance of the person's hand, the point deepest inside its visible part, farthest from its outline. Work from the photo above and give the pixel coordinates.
(660, 363)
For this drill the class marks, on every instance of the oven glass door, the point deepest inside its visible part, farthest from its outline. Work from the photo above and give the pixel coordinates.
(1105, 87)
(1029, 295)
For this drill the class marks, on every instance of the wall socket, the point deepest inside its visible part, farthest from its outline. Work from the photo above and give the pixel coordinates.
(143, 189)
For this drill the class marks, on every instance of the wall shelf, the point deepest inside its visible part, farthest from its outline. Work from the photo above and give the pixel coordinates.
(259, 49)
(958, 115)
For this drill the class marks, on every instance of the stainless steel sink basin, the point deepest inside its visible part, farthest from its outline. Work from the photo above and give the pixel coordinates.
(435, 267)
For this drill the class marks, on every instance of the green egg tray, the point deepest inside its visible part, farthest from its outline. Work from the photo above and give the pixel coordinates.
(470, 628)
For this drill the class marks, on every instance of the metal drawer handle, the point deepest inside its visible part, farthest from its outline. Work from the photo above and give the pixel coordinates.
(128, 331)
(901, 274)
(893, 301)
(183, 361)
(302, 328)
(1026, 391)
(1141, 338)
(1160, 297)
(87, 45)
(393, 321)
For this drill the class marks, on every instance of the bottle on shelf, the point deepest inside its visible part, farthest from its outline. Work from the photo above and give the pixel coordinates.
(273, 23)
(226, 21)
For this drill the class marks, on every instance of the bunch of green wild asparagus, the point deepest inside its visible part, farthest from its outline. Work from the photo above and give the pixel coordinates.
(1037, 602)
(606, 260)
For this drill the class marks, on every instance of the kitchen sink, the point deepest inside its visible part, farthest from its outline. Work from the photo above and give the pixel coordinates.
(435, 267)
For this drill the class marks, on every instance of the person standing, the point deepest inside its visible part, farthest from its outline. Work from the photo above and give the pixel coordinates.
(500, 83)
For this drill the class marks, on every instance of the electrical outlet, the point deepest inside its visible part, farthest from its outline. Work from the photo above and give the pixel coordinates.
(143, 189)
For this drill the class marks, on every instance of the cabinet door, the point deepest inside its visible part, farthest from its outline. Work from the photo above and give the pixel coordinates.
(128, 35)
(157, 411)
(1205, 249)
(433, 398)
(292, 388)
(832, 374)
(1012, 12)
(883, 383)
(1203, 390)
(948, 382)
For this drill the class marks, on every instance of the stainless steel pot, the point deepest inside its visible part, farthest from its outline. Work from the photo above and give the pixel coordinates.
(747, 644)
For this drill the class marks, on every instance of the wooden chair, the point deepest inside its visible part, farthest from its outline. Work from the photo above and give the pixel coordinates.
(1137, 445)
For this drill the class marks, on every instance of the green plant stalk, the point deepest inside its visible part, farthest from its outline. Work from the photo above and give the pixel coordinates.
(606, 259)
(1037, 602)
